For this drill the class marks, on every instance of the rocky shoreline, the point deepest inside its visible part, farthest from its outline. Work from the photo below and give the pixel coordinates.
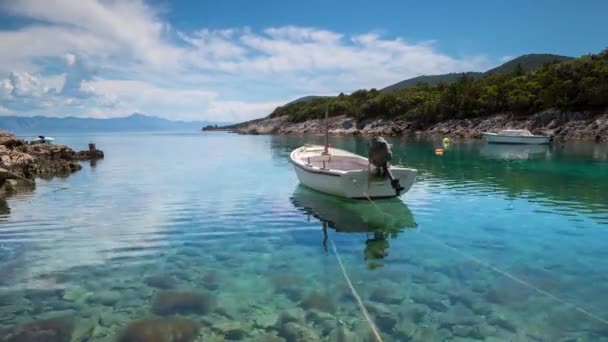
(21, 162)
(562, 125)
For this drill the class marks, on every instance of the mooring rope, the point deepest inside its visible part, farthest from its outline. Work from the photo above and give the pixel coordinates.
(504, 273)
(371, 323)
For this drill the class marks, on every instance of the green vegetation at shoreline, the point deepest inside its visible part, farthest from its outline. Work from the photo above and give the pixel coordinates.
(579, 84)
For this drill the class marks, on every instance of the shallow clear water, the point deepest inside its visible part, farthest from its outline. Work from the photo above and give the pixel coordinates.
(492, 242)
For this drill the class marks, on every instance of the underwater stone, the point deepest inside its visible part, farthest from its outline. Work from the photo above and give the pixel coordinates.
(383, 316)
(76, 294)
(292, 315)
(84, 330)
(268, 337)
(266, 320)
(294, 332)
(211, 280)
(232, 330)
(506, 295)
(424, 334)
(58, 329)
(163, 282)
(462, 330)
(108, 297)
(503, 323)
(318, 317)
(290, 285)
(160, 330)
(413, 312)
(405, 330)
(315, 300)
(342, 334)
(430, 299)
(386, 295)
(459, 315)
(169, 302)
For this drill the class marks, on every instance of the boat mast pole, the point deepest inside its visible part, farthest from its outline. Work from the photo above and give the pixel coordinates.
(326, 130)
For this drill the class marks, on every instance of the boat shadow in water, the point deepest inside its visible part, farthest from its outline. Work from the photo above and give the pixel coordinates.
(515, 152)
(379, 221)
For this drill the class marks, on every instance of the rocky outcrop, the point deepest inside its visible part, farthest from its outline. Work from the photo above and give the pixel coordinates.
(564, 126)
(21, 162)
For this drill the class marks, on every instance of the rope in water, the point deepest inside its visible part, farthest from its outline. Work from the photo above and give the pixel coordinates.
(372, 326)
(504, 273)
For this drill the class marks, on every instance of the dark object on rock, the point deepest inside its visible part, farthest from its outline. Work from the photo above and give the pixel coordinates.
(57, 329)
(160, 330)
(91, 154)
(182, 302)
(319, 302)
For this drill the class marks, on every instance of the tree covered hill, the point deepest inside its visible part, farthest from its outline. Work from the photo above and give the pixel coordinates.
(576, 84)
(526, 62)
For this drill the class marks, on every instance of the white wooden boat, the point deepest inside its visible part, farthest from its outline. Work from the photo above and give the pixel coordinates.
(346, 174)
(516, 136)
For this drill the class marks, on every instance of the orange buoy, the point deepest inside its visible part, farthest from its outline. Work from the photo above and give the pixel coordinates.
(439, 151)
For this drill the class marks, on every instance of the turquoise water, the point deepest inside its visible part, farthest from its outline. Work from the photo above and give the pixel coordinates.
(492, 243)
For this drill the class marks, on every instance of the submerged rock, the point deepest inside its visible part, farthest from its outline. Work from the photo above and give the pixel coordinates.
(386, 295)
(163, 282)
(234, 331)
(211, 280)
(106, 297)
(169, 302)
(290, 285)
(317, 301)
(292, 315)
(503, 323)
(160, 330)
(383, 316)
(294, 332)
(58, 329)
(343, 334)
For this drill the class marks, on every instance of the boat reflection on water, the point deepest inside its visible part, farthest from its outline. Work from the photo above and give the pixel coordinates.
(494, 151)
(379, 221)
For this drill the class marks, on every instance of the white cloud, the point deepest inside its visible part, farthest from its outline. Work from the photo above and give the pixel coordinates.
(69, 58)
(6, 88)
(5, 111)
(116, 57)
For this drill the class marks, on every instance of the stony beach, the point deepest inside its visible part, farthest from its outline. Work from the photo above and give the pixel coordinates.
(563, 126)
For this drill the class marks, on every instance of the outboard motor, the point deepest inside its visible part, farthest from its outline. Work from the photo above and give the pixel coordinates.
(380, 155)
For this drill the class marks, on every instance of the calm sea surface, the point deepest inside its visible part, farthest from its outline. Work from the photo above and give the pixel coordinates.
(494, 243)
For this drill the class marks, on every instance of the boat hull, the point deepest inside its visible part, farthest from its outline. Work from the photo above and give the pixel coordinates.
(353, 184)
(521, 140)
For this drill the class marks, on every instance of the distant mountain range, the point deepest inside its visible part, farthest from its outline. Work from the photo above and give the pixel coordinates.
(527, 62)
(44, 125)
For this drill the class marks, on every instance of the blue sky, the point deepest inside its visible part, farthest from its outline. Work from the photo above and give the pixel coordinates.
(237, 60)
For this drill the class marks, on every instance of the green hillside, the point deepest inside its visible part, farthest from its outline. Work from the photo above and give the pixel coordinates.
(576, 84)
(526, 62)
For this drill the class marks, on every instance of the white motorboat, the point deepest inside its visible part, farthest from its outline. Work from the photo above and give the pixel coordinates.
(516, 136)
(341, 173)
(44, 140)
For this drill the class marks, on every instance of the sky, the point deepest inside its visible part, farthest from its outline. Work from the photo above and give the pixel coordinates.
(231, 61)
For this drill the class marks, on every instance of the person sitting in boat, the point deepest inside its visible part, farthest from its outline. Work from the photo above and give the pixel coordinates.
(379, 155)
